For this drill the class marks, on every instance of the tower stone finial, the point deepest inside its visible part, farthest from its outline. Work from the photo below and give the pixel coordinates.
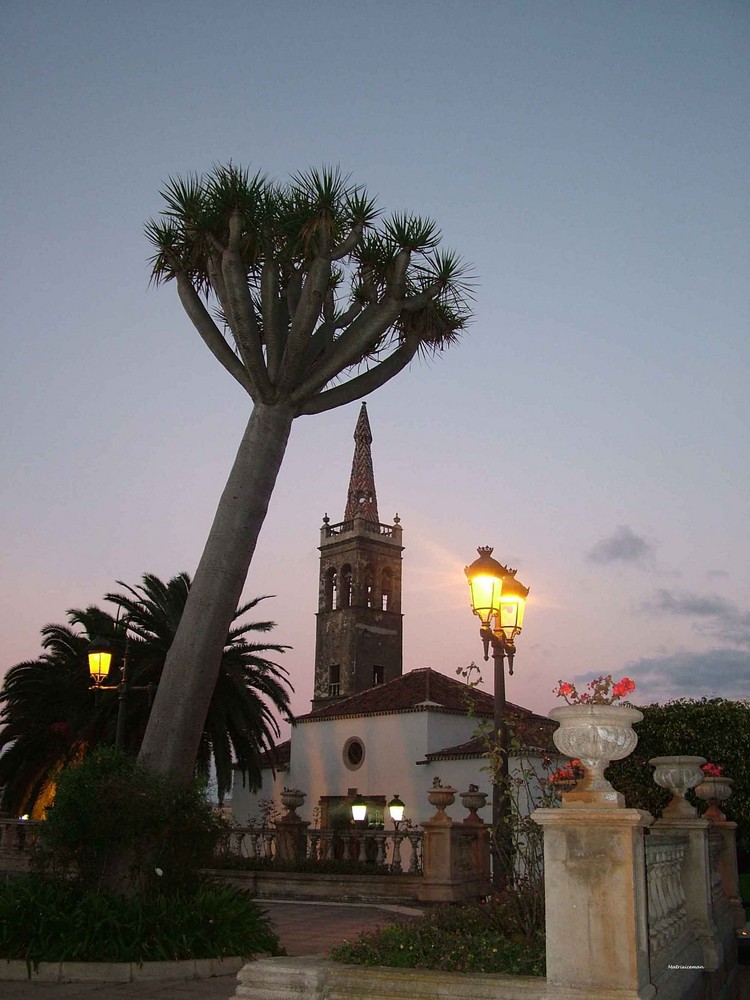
(362, 500)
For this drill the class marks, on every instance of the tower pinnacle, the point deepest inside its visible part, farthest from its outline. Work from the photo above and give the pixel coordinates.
(362, 499)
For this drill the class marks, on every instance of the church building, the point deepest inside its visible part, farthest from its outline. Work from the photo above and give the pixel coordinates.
(374, 730)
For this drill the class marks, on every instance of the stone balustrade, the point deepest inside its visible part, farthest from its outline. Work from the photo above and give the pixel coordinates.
(668, 922)
(399, 852)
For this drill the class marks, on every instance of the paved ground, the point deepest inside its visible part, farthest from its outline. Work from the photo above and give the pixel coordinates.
(304, 929)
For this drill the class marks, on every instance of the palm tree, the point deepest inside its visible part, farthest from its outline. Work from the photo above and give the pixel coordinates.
(250, 691)
(52, 716)
(314, 306)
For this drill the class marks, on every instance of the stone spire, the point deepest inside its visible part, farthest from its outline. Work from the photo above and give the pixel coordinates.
(362, 499)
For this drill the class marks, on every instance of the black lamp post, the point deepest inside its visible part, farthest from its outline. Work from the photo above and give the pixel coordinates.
(498, 600)
(100, 661)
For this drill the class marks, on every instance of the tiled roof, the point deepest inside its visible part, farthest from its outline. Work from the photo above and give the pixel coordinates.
(277, 757)
(533, 731)
(416, 691)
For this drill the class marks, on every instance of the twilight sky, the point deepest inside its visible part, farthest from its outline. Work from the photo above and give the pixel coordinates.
(589, 159)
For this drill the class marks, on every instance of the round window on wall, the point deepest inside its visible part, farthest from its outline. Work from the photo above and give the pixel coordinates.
(353, 753)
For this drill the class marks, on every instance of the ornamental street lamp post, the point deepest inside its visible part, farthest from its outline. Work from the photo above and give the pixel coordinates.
(498, 600)
(100, 661)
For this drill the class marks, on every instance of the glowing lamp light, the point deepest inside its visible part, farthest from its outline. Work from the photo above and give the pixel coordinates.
(396, 809)
(359, 809)
(100, 658)
(512, 607)
(485, 576)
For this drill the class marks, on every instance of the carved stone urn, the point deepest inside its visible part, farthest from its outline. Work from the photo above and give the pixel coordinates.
(441, 798)
(677, 775)
(292, 799)
(597, 735)
(472, 801)
(714, 791)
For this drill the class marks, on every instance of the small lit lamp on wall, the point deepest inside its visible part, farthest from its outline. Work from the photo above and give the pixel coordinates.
(359, 809)
(396, 811)
(498, 600)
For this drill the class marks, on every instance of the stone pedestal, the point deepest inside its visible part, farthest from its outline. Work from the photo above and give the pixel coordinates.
(291, 838)
(595, 888)
(455, 861)
(730, 879)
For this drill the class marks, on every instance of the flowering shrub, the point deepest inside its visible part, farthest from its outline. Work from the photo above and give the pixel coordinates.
(712, 770)
(573, 771)
(603, 690)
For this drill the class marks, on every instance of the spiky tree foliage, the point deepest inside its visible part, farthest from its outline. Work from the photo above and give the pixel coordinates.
(51, 715)
(309, 301)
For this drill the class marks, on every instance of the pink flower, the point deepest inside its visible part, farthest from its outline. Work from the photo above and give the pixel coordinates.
(712, 770)
(603, 690)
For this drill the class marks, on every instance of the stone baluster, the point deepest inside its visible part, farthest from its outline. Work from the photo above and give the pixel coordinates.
(380, 848)
(346, 838)
(415, 840)
(268, 838)
(396, 859)
(313, 842)
(253, 837)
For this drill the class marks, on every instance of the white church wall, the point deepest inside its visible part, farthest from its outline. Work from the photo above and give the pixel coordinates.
(394, 746)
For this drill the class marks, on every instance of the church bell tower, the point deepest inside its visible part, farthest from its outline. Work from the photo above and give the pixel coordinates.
(359, 633)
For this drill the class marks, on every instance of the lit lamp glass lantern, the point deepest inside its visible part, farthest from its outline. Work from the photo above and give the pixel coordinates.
(100, 659)
(512, 606)
(396, 809)
(485, 576)
(359, 809)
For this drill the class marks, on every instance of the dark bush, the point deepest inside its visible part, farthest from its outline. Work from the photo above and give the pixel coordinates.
(46, 920)
(118, 827)
(452, 938)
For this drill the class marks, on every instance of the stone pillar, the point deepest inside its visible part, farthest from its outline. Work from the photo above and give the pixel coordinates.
(455, 862)
(730, 879)
(595, 889)
(291, 838)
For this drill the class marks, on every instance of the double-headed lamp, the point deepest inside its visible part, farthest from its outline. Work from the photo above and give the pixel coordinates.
(100, 659)
(497, 598)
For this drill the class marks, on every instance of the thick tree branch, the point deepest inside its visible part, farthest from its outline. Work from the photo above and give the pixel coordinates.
(211, 335)
(304, 319)
(274, 332)
(397, 284)
(243, 319)
(359, 338)
(349, 242)
(363, 384)
(323, 336)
